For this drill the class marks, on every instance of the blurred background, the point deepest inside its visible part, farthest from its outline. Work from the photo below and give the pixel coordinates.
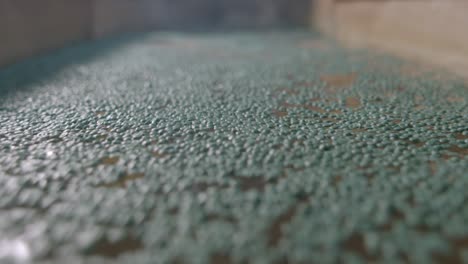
(28, 27)
(431, 30)
(229, 14)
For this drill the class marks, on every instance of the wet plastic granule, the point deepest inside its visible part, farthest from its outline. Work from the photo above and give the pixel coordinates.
(234, 148)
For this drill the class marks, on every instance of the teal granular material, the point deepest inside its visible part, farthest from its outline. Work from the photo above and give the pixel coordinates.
(231, 148)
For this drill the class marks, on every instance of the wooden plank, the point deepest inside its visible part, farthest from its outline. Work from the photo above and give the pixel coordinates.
(431, 31)
(323, 17)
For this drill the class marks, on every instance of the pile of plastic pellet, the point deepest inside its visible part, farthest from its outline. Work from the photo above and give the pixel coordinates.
(235, 148)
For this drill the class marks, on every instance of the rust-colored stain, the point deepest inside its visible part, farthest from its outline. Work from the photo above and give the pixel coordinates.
(460, 136)
(455, 254)
(115, 249)
(369, 176)
(220, 258)
(339, 80)
(275, 232)
(219, 217)
(101, 137)
(355, 243)
(400, 89)
(394, 217)
(459, 150)
(359, 130)
(326, 99)
(453, 99)
(200, 187)
(277, 146)
(419, 107)
(432, 167)
(279, 113)
(337, 179)
(394, 168)
(336, 111)
(158, 154)
(353, 102)
(251, 183)
(122, 182)
(100, 113)
(363, 168)
(417, 144)
(109, 160)
(446, 156)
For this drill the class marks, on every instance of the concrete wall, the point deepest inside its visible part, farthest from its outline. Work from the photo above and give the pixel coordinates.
(27, 27)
